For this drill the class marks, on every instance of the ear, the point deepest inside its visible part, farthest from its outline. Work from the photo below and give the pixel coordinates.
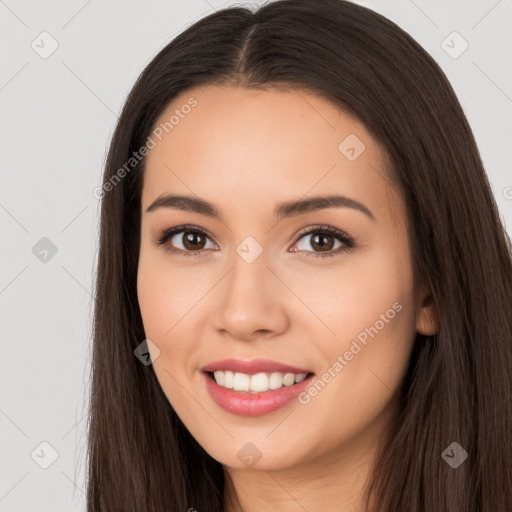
(426, 319)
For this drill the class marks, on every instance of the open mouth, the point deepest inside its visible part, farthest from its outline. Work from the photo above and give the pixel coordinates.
(258, 382)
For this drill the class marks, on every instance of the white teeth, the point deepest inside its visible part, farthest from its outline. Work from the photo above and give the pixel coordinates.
(241, 382)
(219, 377)
(257, 383)
(289, 379)
(275, 381)
(228, 380)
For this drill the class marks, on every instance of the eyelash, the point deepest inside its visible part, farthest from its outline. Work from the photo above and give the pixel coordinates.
(347, 240)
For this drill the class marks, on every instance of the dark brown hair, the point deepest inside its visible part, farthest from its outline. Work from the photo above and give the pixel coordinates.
(458, 385)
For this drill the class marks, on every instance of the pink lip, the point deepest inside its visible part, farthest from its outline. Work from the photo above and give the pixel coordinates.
(254, 404)
(252, 367)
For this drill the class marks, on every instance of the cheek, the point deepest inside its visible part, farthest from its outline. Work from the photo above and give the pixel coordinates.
(373, 316)
(165, 294)
(367, 306)
(352, 294)
(161, 311)
(154, 304)
(170, 304)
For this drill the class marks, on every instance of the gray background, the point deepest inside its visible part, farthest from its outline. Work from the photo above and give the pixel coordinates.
(58, 114)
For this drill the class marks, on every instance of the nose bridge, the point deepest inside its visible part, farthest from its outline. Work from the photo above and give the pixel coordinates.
(248, 301)
(248, 279)
(249, 273)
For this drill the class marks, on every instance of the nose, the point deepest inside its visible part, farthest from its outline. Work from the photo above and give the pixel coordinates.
(250, 302)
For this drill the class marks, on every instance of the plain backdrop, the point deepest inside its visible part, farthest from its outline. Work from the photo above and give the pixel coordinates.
(66, 68)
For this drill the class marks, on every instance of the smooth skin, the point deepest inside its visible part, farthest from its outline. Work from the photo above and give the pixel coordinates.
(246, 151)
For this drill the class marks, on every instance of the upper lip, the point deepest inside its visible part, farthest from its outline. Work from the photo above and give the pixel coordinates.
(253, 366)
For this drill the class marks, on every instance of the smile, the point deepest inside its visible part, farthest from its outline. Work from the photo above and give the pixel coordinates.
(254, 388)
(257, 383)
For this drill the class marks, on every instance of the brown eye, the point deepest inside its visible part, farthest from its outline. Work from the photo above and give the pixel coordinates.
(192, 240)
(184, 241)
(325, 241)
(322, 242)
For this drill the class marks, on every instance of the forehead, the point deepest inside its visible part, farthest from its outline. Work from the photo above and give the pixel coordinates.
(246, 147)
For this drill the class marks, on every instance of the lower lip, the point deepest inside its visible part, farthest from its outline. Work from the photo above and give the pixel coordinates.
(253, 404)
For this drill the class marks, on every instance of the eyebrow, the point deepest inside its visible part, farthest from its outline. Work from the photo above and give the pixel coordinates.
(283, 210)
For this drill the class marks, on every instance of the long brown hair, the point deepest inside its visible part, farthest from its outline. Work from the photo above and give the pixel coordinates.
(458, 386)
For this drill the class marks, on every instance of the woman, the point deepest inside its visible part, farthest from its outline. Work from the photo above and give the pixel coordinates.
(341, 337)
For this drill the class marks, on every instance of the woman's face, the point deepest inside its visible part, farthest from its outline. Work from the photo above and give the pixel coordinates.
(255, 277)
